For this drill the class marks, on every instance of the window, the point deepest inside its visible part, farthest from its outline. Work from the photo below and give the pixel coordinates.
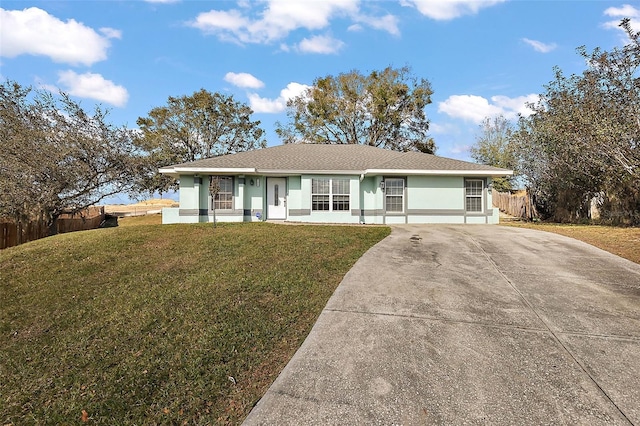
(340, 192)
(224, 198)
(394, 195)
(320, 194)
(473, 195)
(330, 194)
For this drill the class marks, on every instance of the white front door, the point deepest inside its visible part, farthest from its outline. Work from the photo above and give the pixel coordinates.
(276, 198)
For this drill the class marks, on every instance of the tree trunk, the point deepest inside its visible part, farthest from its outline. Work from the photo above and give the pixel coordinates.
(53, 226)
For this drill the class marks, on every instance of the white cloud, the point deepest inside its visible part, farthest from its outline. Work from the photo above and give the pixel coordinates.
(320, 44)
(626, 11)
(259, 104)
(619, 13)
(283, 16)
(476, 108)
(33, 31)
(511, 107)
(93, 86)
(216, 21)
(443, 10)
(539, 46)
(280, 17)
(243, 79)
(468, 107)
(111, 33)
(388, 23)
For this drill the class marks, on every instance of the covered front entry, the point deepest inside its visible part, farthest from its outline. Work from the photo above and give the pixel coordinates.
(276, 198)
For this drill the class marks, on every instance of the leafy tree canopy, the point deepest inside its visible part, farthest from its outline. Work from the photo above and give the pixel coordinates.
(494, 147)
(383, 109)
(56, 157)
(193, 127)
(583, 140)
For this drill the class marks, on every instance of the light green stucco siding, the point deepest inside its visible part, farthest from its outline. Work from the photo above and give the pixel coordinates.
(435, 193)
(372, 200)
(452, 219)
(426, 199)
(170, 215)
(189, 197)
(294, 194)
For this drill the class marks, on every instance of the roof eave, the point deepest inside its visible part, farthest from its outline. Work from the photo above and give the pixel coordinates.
(170, 171)
(177, 171)
(415, 172)
(293, 172)
(206, 170)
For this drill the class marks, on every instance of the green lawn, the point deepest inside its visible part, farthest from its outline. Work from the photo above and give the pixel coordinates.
(168, 324)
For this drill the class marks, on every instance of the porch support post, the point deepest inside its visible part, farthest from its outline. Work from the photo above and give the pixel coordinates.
(240, 199)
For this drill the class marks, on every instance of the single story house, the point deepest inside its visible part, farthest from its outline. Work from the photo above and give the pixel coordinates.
(334, 184)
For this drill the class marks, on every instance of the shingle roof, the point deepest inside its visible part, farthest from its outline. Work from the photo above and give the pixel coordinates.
(316, 158)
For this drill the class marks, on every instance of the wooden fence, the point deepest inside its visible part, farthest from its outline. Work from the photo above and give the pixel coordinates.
(13, 234)
(518, 204)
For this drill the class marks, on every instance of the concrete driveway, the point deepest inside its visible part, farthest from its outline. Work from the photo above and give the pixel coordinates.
(442, 324)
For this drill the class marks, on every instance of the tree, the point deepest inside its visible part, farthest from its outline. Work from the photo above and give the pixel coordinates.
(583, 140)
(615, 77)
(193, 127)
(214, 189)
(494, 147)
(384, 109)
(57, 158)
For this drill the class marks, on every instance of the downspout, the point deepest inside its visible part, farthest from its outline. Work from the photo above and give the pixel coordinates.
(361, 200)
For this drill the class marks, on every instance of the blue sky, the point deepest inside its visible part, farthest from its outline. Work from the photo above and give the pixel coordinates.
(482, 57)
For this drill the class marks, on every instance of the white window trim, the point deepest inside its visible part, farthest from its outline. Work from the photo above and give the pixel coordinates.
(213, 201)
(331, 194)
(481, 196)
(404, 184)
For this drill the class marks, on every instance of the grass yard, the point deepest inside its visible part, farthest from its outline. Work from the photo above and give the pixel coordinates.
(624, 242)
(147, 219)
(154, 324)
